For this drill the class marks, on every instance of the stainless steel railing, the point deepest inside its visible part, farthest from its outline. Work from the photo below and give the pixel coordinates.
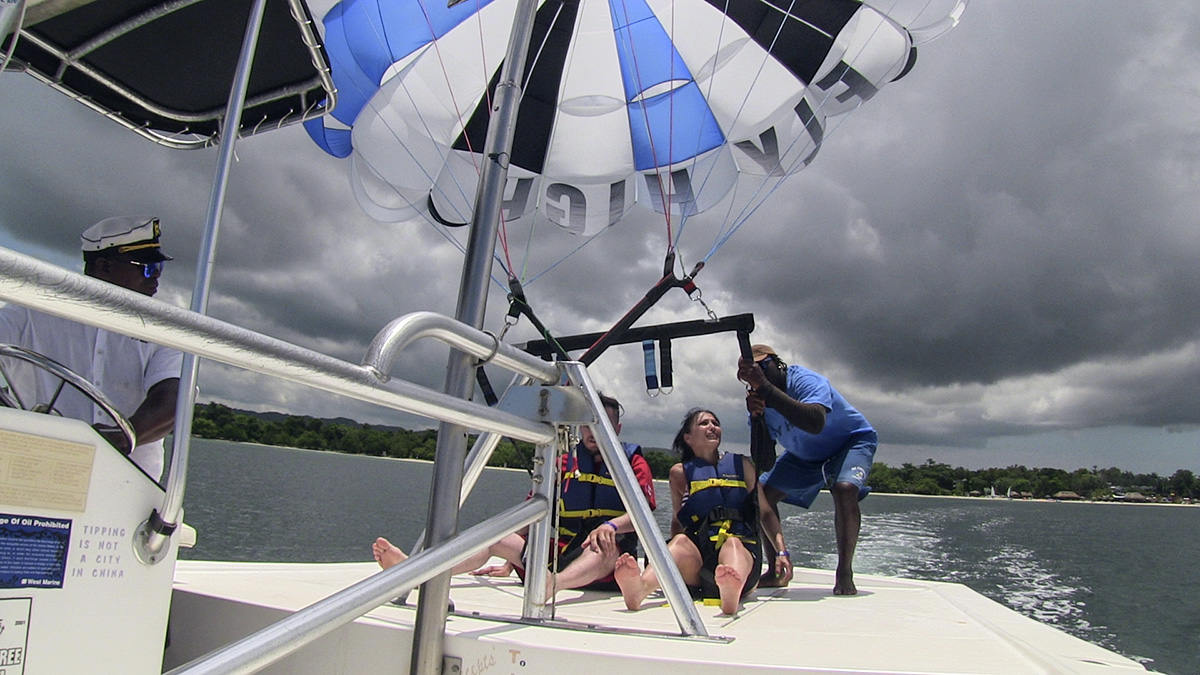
(561, 395)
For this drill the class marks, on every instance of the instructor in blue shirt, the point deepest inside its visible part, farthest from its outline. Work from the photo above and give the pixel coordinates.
(827, 443)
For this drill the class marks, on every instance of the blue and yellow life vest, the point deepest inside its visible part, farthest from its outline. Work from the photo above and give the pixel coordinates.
(588, 495)
(718, 505)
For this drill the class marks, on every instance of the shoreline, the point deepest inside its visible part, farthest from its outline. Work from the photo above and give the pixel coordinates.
(873, 493)
(1032, 500)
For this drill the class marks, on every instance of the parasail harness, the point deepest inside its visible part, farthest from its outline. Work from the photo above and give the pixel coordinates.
(623, 332)
(659, 378)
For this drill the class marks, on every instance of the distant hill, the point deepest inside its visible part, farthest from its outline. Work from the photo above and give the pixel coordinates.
(271, 416)
(340, 434)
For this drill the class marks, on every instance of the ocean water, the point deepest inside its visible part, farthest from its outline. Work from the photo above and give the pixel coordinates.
(1121, 576)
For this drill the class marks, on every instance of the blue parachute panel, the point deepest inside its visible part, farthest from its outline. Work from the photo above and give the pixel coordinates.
(647, 56)
(670, 127)
(355, 85)
(364, 33)
(412, 25)
(363, 38)
(336, 142)
(673, 127)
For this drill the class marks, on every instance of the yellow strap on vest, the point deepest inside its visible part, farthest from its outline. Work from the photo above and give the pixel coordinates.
(590, 513)
(722, 534)
(594, 478)
(698, 485)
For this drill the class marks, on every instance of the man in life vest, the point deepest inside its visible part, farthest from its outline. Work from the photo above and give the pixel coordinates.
(593, 526)
(828, 443)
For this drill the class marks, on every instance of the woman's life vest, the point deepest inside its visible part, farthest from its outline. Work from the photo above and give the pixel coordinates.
(718, 505)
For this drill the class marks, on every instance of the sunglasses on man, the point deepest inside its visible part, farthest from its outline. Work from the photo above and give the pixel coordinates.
(149, 269)
(770, 362)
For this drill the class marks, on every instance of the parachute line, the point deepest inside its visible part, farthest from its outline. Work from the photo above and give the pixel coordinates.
(737, 117)
(840, 75)
(701, 112)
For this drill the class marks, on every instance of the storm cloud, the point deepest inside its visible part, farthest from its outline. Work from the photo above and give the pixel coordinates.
(994, 259)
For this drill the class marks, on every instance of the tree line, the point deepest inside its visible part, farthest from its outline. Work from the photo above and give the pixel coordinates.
(216, 421)
(213, 420)
(937, 478)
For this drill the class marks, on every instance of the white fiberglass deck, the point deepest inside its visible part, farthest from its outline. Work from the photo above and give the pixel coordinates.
(892, 626)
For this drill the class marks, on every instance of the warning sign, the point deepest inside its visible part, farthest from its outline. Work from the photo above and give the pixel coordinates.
(33, 551)
(44, 473)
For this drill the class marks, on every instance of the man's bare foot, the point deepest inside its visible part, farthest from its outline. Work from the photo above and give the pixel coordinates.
(730, 582)
(629, 579)
(845, 584)
(386, 553)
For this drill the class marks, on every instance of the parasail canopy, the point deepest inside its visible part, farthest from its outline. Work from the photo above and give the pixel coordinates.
(668, 103)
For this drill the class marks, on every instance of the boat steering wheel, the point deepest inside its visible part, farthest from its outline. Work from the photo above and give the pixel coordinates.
(10, 398)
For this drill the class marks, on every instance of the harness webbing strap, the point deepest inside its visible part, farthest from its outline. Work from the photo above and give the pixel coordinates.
(519, 306)
(485, 385)
(724, 532)
(664, 355)
(666, 283)
(651, 376)
(762, 446)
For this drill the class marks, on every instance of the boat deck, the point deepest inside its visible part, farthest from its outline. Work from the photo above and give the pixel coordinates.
(891, 626)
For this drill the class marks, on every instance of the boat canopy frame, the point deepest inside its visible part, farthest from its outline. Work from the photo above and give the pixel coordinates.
(97, 51)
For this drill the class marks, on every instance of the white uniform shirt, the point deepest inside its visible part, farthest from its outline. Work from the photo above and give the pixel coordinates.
(122, 367)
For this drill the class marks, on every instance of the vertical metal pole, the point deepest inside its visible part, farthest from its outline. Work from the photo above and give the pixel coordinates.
(637, 507)
(545, 484)
(154, 535)
(442, 522)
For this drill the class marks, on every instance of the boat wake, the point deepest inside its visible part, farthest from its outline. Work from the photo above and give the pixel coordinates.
(957, 545)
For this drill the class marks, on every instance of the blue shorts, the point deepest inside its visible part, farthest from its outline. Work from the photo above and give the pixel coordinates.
(800, 480)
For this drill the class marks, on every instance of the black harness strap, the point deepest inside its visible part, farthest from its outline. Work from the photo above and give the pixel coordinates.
(666, 283)
(664, 357)
(518, 306)
(762, 453)
(762, 448)
(485, 385)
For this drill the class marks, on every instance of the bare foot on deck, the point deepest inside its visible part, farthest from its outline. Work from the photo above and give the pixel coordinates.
(386, 553)
(730, 584)
(845, 584)
(629, 579)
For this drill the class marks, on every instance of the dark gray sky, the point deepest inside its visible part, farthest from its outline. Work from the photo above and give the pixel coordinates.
(994, 259)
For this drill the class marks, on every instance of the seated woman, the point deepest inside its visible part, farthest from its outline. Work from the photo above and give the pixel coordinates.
(714, 534)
